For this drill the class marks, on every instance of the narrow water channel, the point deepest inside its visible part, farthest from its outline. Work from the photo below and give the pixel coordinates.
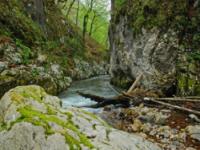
(98, 85)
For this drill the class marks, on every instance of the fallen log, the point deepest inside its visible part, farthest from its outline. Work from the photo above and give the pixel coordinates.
(192, 97)
(126, 100)
(104, 101)
(173, 106)
(177, 99)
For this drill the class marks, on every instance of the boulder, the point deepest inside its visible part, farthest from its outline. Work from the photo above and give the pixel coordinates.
(194, 131)
(32, 119)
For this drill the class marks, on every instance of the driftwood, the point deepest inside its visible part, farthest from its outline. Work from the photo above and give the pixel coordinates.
(173, 106)
(192, 97)
(135, 83)
(126, 99)
(103, 101)
(177, 99)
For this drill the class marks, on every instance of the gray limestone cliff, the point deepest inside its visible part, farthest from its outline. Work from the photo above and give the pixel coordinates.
(152, 38)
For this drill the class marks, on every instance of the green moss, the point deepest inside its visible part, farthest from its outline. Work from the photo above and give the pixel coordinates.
(188, 85)
(51, 111)
(16, 97)
(163, 15)
(3, 126)
(20, 93)
(95, 117)
(18, 23)
(6, 78)
(121, 81)
(25, 51)
(29, 114)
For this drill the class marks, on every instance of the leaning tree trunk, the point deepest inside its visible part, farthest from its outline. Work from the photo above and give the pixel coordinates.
(92, 24)
(39, 13)
(85, 20)
(70, 7)
(77, 12)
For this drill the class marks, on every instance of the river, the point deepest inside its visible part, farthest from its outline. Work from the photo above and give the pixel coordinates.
(97, 85)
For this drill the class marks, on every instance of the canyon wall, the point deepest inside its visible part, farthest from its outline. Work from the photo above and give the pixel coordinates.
(159, 40)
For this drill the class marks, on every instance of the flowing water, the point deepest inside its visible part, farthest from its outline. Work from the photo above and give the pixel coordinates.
(98, 86)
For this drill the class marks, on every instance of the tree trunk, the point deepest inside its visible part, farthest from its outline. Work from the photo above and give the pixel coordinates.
(77, 12)
(91, 25)
(39, 13)
(85, 20)
(70, 7)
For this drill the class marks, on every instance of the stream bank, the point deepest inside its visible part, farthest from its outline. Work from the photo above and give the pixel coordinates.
(51, 75)
(171, 129)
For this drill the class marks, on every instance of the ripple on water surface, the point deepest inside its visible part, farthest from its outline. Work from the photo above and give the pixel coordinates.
(98, 86)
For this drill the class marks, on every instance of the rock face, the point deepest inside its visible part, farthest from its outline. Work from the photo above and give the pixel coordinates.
(84, 69)
(149, 53)
(13, 72)
(32, 119)
(143, 40)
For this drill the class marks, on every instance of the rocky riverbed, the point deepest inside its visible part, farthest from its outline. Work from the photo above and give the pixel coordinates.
(171, 129)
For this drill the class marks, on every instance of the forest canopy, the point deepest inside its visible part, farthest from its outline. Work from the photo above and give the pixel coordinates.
(91, 16)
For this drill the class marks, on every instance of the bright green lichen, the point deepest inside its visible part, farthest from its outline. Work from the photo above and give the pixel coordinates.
(51, 111)
(94, 117)
(3, 126)
(20, 94)
(41, 119)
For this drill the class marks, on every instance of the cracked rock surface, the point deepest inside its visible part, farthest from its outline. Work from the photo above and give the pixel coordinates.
(32, 119)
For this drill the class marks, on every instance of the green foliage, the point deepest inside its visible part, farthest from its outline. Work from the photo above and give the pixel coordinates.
(119, 4)
(18, 23)
(179, 16)
(35, 72)
(194, 56)
(25, 51)
(100, 27)
(50, 45)
(4, 31)
(29, 114)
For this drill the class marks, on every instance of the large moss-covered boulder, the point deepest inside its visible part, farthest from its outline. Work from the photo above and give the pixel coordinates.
(32, 119)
